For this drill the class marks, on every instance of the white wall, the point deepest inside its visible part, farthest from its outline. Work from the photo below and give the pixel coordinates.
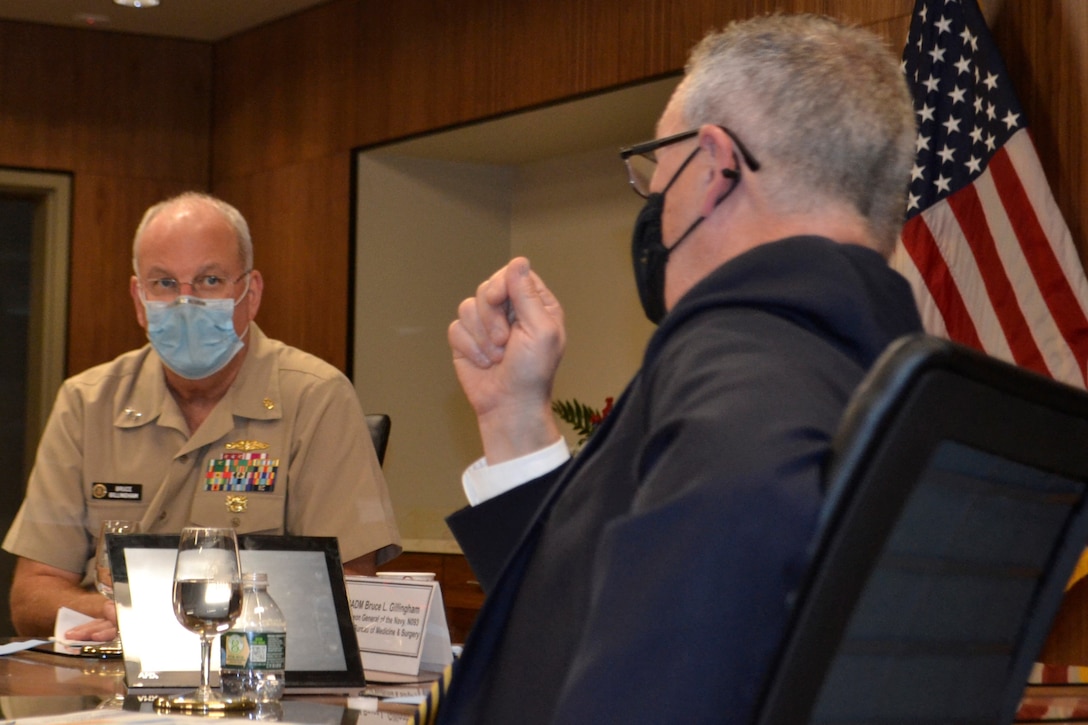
(433, 221)
(572, 217)
(427, 233)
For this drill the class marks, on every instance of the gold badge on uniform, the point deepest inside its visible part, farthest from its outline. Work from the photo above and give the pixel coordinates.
(246, 446)
(236, 504)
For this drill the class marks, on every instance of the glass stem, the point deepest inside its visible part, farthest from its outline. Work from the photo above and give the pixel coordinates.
(205, 665)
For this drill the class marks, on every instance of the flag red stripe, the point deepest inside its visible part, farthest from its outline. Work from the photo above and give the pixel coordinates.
(1049, 275)
(967, 208)
(931, 265)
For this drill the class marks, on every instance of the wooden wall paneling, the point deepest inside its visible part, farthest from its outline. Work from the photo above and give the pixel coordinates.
(682, 24)
(286, 92)
(548, 50)
(641, 52)
(482, 58)
(298, 218)
(104, 103)
(37, 123)
(130, 117)
(1045, 48)
(142, 106)
(283, 128)
(282, 97)
(101, 317)
(425, 65)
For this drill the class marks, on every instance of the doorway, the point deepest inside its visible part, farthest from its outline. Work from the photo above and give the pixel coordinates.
(35, 213)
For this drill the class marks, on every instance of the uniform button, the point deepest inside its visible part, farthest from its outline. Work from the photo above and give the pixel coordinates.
(236, 522)
(162, 516)
(183, 457)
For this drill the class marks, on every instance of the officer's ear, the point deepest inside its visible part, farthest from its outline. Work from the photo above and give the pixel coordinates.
(134, 291)
(721, 157)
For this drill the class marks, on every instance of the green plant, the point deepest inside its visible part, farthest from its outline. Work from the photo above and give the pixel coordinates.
(582, 418)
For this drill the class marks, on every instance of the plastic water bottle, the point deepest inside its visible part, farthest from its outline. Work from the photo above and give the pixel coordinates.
(253, 652)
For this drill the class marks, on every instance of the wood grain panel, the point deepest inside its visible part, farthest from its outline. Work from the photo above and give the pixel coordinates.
(104, 103)
(1045, 47)
(432, 76)
(1046, 50)
(37, 83)
(101, 318)
(422, 66)
(142, 108)
(286, 92)
(130, 116)
(298, 217)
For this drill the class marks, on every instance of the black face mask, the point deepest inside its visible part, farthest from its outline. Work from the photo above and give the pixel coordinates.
(649, 253)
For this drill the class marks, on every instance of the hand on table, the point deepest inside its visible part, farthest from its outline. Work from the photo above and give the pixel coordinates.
(96, 630)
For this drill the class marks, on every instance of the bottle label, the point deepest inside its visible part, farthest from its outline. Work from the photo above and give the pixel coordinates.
(253, 650)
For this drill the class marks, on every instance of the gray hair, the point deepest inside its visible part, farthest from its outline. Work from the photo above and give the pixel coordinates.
(823, 107)
(228, 212)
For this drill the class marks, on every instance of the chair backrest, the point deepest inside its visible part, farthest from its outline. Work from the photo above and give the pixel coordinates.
(957, 506)
(379, 425)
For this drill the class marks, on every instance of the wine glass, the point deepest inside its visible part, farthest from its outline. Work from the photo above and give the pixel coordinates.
(207, 600)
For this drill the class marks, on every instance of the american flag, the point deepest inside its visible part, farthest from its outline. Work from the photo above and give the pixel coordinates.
(990, 259)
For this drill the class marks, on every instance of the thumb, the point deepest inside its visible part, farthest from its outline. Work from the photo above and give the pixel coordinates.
(526, 305)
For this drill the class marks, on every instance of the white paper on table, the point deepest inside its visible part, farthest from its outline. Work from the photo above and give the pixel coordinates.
(13, 647)
(67, 619)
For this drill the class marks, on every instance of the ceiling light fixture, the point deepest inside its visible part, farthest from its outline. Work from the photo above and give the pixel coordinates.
(137, 3)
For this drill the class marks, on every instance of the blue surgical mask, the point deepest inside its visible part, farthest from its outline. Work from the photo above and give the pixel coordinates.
(195, 337)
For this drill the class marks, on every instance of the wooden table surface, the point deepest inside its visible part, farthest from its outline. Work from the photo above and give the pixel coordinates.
(40, 683)
(34, 683)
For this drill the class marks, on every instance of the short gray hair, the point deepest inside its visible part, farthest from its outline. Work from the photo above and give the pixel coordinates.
(822, 105)
(228, 212)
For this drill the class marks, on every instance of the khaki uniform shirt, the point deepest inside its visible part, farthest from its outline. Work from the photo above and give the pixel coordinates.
(286, 451)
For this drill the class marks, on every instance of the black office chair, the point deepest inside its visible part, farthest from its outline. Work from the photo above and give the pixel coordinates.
(956, 511)
(379, 425)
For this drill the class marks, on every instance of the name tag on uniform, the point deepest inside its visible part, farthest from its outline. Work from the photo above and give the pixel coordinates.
(129, 492)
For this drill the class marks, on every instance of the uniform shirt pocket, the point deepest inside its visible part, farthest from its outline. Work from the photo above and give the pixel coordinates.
(248, 512)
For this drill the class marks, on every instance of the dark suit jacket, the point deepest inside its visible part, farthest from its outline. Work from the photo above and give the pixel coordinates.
(648, 580)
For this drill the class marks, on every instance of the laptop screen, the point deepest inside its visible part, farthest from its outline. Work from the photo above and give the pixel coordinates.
(304, 577)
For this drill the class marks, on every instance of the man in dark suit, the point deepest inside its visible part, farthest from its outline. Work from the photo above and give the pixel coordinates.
(648, 578)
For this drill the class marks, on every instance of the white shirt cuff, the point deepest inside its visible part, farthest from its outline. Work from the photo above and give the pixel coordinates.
(482, 482)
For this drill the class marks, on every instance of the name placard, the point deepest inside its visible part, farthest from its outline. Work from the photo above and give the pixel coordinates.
(400, 624)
